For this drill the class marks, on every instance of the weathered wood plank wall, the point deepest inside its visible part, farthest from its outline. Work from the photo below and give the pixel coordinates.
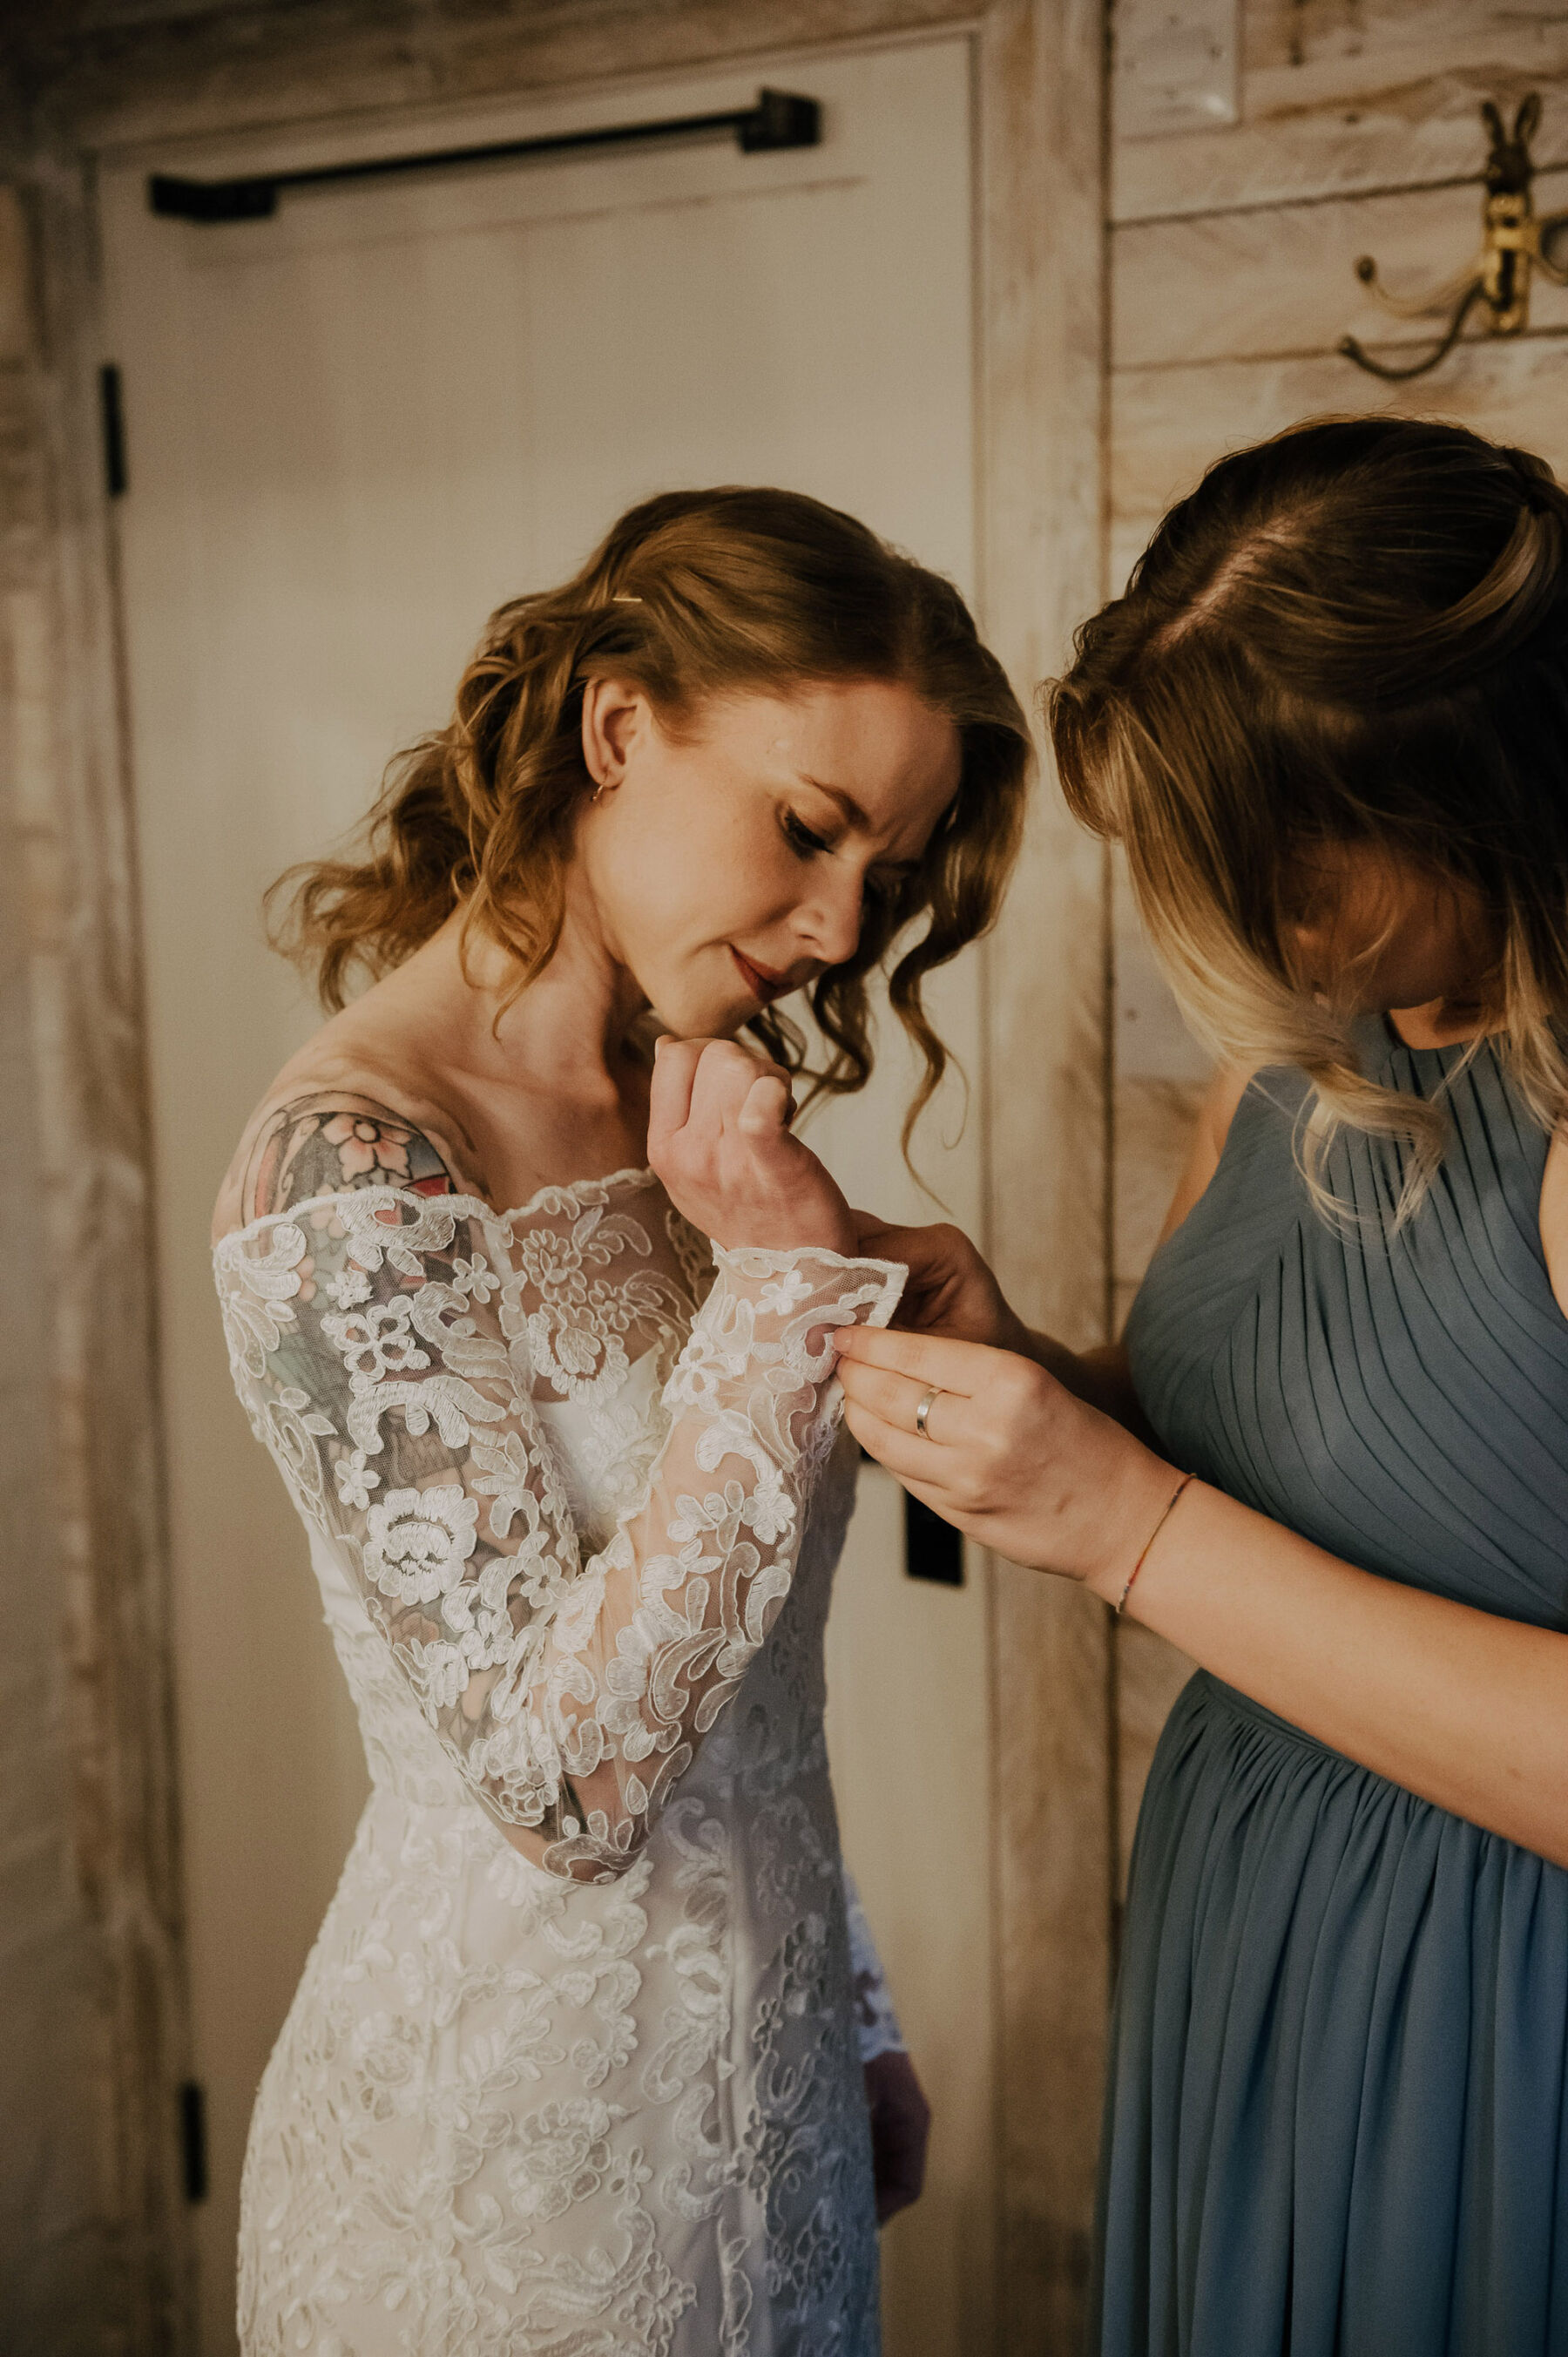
(1043, 357)
(92, 2248)
(1232, 282)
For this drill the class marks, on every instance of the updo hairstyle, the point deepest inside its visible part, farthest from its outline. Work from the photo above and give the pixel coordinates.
(1356, 633)
(691, 595)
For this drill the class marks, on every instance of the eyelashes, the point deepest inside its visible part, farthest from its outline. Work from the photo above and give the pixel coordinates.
(799, 837)
(805, 843)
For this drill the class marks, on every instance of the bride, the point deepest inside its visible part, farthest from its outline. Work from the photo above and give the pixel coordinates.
(589, 2052)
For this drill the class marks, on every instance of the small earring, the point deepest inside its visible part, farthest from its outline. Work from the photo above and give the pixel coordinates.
(598, 789)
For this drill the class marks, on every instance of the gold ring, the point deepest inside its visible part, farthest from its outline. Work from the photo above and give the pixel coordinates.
(924, 1410)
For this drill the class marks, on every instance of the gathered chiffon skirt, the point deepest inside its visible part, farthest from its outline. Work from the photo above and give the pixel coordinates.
(1335, 2122)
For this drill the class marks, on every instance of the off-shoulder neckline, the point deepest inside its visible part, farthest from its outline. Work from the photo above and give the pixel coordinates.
(630, 1179)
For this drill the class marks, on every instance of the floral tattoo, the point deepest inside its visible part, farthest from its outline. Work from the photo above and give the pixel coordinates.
(332, 1143)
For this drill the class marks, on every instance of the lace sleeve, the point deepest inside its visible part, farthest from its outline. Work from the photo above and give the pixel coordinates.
(384, 1348)
(877, 2024)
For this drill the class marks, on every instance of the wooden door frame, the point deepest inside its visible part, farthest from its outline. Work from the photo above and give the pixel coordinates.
(120, 80)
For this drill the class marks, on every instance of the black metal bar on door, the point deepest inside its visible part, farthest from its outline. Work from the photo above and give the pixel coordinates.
(778, 120)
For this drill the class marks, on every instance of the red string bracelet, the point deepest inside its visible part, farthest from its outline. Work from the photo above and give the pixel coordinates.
(1148, 1543)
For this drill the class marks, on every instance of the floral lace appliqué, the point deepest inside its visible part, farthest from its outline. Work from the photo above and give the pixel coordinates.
(513, 2110)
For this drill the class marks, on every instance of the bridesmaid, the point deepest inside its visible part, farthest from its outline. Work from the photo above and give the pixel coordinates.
(1329, 724)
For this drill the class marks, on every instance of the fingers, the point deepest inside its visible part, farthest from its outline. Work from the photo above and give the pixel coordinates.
(719, 1139)
(918, 1248)
(724, 1078)
(909, 1458)
(871, 1224)
(675, 1065)
(768, 1107)
(899, 2157)
(706, 1082)
(895, 1399)
(963, 1367)
(880, 1241)
(932, 1241)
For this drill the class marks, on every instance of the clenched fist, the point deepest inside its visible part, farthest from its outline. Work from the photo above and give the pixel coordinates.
(718, 1138)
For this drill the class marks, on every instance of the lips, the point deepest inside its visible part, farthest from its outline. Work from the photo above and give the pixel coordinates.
(762, 982)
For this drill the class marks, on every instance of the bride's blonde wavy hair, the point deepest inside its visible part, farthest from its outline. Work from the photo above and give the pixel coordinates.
(1355, 633)
(691, 595)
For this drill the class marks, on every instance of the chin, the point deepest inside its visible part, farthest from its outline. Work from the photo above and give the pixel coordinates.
(700, 1022)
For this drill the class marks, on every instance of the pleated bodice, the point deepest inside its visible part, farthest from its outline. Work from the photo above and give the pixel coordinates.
(1337, 2114)
(1399, 1399)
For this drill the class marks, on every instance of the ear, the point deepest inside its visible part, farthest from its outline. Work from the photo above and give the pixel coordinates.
(616, 715)
(1527, 122)
(1494, 122)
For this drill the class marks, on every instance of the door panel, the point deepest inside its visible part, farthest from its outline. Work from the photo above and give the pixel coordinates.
(352, 431)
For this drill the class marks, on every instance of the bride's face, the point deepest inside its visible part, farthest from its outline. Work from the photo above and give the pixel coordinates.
(729, 863)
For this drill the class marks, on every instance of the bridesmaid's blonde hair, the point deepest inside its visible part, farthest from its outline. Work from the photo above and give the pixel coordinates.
(691, 594)
(1355, 633)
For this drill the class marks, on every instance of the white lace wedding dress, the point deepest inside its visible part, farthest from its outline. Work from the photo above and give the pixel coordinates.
(576, 1537)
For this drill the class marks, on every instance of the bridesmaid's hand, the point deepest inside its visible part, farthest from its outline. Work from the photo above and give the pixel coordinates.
(1008, 1454)
(718, 1138)
(950, 1288)
(900, 2126)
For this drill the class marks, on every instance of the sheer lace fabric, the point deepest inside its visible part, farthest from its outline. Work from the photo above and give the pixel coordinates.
(393, 1351)
(875, 2018)
(575, 1537)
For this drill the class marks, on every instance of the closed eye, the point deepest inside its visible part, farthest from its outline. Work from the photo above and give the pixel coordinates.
(882, 884)
(800, 837)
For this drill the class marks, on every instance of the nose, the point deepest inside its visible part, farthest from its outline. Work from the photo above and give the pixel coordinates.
(829, 922)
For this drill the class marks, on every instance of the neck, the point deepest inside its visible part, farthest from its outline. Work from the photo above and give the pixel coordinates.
(1441, 1022)
(566, 1035)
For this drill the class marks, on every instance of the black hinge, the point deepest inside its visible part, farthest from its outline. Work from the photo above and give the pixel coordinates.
(193, 2139)
(932, 1548)
(778, 119)
(111, 412)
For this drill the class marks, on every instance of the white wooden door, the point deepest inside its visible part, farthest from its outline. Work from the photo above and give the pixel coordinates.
(351, 430)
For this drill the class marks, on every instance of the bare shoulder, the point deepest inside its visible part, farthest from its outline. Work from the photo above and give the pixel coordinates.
(361, 1105)
(1221, 1103)
(1554, 1216)
(1215, 1115)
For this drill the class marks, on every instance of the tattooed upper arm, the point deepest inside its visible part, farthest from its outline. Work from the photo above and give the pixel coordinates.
(329, 1141)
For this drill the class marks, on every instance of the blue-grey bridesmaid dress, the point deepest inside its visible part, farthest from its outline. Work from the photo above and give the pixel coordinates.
(1335, 2122)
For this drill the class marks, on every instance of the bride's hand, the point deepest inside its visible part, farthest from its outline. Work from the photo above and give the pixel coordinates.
(718, 1138)
(1008, 1454)
(950, 1288)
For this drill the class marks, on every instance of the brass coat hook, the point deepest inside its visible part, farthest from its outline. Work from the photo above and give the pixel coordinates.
(1516, 241)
